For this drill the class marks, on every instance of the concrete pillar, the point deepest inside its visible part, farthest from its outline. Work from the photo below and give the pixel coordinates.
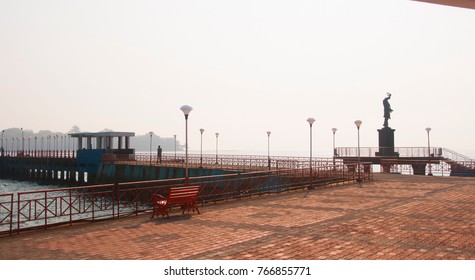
(89, 143)
(385, 167)
(419, 168)
(79, 143)
(100, 142)
(127, 142)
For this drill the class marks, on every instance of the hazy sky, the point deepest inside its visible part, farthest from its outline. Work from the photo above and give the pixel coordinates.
(246, 67)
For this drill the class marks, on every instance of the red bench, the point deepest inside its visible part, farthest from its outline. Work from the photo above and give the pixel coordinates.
(185, 197)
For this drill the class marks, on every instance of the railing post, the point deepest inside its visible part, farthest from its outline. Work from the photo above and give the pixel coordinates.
(113, 200)
(11, 215)
(117, 190)
(18, 213)
(137, 198)
(93, 203)
(46, 210)
(70, 208)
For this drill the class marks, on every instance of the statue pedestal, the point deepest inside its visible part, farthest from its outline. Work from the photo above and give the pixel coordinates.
(386, 143)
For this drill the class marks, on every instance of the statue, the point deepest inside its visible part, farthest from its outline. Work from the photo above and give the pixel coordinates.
(387, 110)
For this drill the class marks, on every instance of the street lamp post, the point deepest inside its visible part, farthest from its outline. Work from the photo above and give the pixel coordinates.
(151, 134)
(174, 136)
(55, 147)
(60, 145)
(310, 122)
(201, 148)
(36, 138)
(22, 143)
(1, 149)
(358, 124)
(428, 129)
(334, 149)
(217, 134)
(268, 149)
(48, 145)
(186, 111)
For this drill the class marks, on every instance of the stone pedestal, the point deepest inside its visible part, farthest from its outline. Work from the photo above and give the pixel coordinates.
(386, 143)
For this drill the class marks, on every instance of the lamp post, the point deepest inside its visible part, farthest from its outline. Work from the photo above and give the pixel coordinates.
(1, 149)
(201, 148)
(186, 111)
(310, 122)
(268, 149)
(60, 145)
(174, 136)
(151, 134)
(217, 134)
(334, 149)
(42, 146)
(358, 124)
(22, 143)
(48, 145)
(428, 129)
(55, 147)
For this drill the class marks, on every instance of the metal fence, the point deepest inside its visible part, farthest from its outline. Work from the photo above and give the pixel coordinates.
(412, 152)
(46, 208)
(225, 162)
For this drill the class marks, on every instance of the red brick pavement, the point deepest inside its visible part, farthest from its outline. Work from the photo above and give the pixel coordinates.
(394, 217)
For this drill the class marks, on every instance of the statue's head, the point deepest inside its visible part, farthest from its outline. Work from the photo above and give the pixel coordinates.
(389, 95)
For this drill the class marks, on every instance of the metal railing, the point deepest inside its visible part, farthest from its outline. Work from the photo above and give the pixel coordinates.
(225, 162)
(46, 208)
(413, 152)
(39, 154)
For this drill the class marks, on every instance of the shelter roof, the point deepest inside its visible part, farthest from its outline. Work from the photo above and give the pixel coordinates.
(103, 134)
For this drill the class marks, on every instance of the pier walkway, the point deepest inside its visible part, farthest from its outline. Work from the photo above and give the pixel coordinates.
(392, 217)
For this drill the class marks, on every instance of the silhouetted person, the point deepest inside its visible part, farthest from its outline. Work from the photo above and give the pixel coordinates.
(387, 110)
(159, 154)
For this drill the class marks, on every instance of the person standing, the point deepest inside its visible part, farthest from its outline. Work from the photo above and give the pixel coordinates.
(159, 154)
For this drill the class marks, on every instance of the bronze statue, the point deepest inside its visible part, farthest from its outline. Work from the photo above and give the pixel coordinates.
(387, 110)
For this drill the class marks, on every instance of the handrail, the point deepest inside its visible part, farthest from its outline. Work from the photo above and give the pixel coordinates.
(452, 155)
(402, 152)
(46, 208)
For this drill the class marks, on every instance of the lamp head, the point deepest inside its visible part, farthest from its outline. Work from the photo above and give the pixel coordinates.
(186, 109)
(358, 123)
(310, 121)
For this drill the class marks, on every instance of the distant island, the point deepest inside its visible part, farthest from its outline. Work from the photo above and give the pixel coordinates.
(11, 139)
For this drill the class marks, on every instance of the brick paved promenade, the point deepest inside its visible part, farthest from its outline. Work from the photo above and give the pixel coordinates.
(394, 217)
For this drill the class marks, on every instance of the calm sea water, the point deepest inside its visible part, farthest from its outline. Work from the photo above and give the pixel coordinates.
(12, 186)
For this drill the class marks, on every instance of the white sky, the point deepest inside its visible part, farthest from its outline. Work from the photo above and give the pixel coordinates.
(245, 66)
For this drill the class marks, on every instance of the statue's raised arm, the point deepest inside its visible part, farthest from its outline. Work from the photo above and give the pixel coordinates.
(387, 109)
